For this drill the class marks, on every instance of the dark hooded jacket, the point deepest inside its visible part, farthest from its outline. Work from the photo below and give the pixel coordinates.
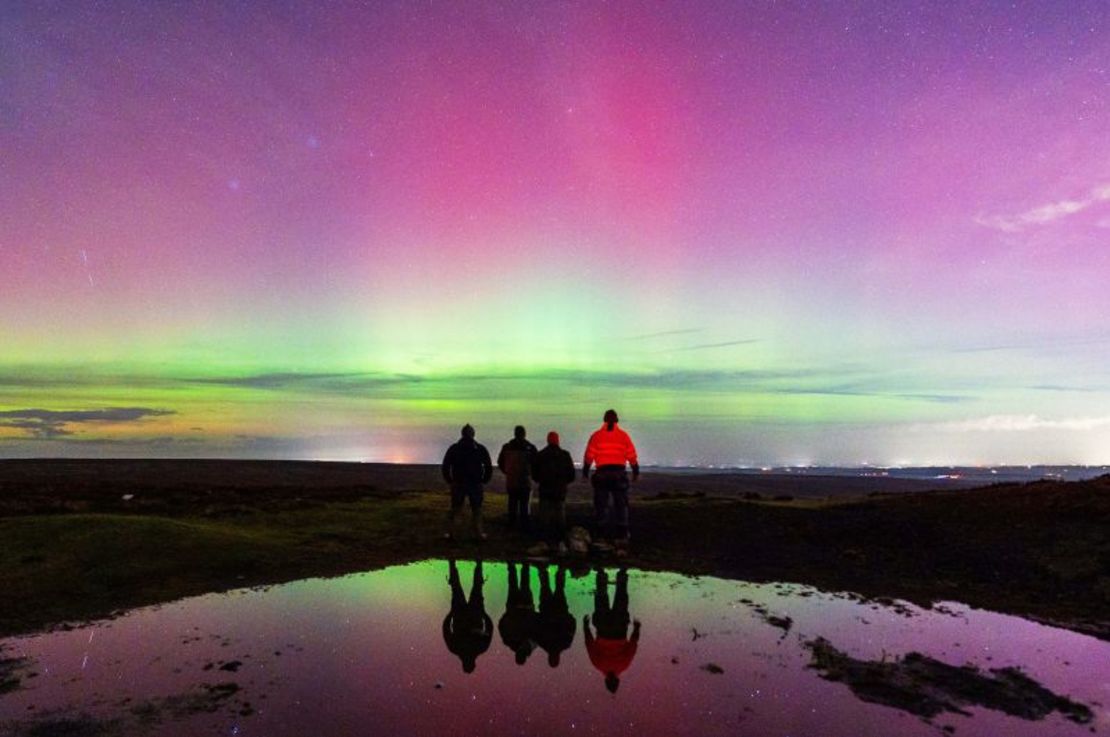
(553, 470)
(515, 461)
(467, 463)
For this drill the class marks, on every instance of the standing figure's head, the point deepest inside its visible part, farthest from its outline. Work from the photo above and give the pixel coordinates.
(553, 438)
(468, 431)
(612, 682)
(518, 432)
(611, 418)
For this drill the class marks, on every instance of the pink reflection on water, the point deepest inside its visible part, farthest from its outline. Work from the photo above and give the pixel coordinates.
(367, 652)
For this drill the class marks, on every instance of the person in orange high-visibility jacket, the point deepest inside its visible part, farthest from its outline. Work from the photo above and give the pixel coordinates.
(612, 650)
(611, 449)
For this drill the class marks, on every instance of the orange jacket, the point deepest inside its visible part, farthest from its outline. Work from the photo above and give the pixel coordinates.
(610, 656)
(610, 448)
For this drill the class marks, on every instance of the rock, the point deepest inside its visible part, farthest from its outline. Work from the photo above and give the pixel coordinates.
(578, 539)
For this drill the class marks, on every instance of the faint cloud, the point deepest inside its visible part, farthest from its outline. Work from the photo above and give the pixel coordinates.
(1020, 423)
(725, 344)
(1063, 388)
(572, 385)
(938, 398)
(40, 377)
(1044, 214)
(330, 382)
(162, 440)
(277, 380)
(46, 424)
(664, 334)
(1034, 344)
(860, 391)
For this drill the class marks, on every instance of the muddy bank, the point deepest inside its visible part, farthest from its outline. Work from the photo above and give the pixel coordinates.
(928, 688)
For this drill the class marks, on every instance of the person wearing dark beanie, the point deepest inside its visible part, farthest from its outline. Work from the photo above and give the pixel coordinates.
(466, 467)
(515, 461)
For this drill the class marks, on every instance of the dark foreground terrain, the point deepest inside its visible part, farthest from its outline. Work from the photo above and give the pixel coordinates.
(81, 539)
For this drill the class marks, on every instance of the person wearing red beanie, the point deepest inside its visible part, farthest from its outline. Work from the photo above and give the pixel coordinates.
(553, 470)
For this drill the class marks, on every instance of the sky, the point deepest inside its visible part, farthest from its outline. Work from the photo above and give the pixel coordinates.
(764, 232)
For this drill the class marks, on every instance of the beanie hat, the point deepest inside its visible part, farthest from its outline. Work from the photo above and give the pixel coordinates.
(553, 438)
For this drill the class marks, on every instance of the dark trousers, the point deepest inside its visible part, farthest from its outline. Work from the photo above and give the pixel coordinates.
(460, 494)
(519, 502)
(611, 621)
(611, 499)
(551, 518)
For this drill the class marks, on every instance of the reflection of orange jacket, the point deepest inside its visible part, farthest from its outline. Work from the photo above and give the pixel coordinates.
(610, 656)
(610, 448)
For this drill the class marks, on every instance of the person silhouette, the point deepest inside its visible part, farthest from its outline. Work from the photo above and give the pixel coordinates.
(467, 629)
(611, 448)
(555, 626)
(611, 651)
(466, 467)
(553, 470)
(515, 461)
(518, 623)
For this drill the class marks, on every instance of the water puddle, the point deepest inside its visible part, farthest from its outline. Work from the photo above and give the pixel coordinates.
(431, 648)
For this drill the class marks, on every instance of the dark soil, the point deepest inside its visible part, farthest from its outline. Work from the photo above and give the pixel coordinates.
(81, 539)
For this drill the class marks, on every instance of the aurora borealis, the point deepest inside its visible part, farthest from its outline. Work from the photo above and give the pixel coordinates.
(765, 232)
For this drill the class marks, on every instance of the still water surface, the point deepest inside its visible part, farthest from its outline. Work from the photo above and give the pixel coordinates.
(432, 649)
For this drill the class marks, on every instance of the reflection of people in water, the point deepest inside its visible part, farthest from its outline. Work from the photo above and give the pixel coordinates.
(556, 625)
(467, 629)
(611, 651)
(518, 622)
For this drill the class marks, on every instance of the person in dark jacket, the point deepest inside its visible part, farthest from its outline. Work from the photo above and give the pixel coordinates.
(612, 650)
(555, 626)
(517, 625)
(466, 467)
(515, 461)
(553, 470)
(467, 629)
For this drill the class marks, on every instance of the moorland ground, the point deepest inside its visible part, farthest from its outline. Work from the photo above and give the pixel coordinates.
(83, 539)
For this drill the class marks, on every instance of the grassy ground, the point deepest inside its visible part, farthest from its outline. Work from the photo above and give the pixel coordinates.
(73, 550)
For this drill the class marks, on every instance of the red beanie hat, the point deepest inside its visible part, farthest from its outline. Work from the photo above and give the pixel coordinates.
(553, 438)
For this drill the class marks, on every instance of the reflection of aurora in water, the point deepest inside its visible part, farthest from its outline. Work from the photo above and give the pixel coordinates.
(334, 657)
